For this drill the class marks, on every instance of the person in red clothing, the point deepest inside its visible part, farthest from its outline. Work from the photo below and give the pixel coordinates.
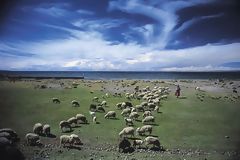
(177, 93)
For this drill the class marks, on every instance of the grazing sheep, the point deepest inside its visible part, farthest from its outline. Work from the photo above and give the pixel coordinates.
(147, 113)
(148, 119)
(157, 108)
(104, 103)
(197, 88)
(93, 114)
(64, 124)
(127, 131)
(95, 99)
(100, 109)
(107, 95)
(134, 115)
(65, 139)
(110, 114)
(128, 104)
(152, 141)
(55, 100)
(75, 103)
(12, 133)
(139, 108)
(137, 142)
(95, 119)
(144, 104)
(129, 121)
(93, 107)
(38, 128)
(126, 111)
(46, 129)
(72, 121)
(81, 118)
(75, 139)
(119, 105)
(142, 130)
(133, 109)
(151, 106)
(32, 139)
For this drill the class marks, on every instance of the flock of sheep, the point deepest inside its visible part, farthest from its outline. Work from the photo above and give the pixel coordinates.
(129, 113)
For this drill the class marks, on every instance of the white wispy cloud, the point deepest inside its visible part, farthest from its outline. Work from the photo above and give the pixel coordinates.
(165, 14)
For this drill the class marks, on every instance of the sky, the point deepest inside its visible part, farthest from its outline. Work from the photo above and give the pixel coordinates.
(120, 35)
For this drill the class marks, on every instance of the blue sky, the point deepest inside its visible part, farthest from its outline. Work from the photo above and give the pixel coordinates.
(154, 35)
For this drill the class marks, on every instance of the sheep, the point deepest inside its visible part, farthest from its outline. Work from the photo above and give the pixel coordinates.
(12, 133)
(152, 140)
(151, 106)
(163, 97)
(148, 119)
(32, 139)
(142, 130)
(147, 113)
(137, 142)
(94, 119)
(46, 129)
(72, 120)
(129, 121)
(127, 131)
(104, 103)
(65, 139)
(100, 109)
(110, 114)
(134, 115)
(95, 99)
(118, 105)
(92, 114)
(81, 118)
(128, 104)
(126, 111)
(75, 103)
(123, 105)
(107, 95)
(75, 139)
(197, 88)
(38, 128)
(156, 108)
(144, 104)
(133, 109)
(139, 108)
(93, 107)
(4, 142)
(55, 100)
(64, 124)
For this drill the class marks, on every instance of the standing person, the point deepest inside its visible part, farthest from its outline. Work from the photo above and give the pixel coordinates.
(177, 93)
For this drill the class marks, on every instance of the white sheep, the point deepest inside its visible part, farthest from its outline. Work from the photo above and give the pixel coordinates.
(134, 115)
(32, 139)
(126, 111)
(142, 130)
(148, 119)
(81, 118)
(147, 113)
(95, 99)
(46, 129)
(104, 103)
(64, 124)
(72, 121)
(75, 139)
(38, 128)
(75, 103)
(127, 131)
(110, 114)
(55, 100)
(152, 141)
(94, 119)
(129, 121)
(137, 142)
(92, 114)
(139, 108)
(119, 105)
(156, 108)
(66, 139)
(133, 109)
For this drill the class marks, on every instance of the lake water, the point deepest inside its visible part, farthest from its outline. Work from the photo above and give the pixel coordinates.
(101, 75)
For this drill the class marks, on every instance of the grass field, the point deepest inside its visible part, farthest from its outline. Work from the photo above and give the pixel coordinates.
(187, 128)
